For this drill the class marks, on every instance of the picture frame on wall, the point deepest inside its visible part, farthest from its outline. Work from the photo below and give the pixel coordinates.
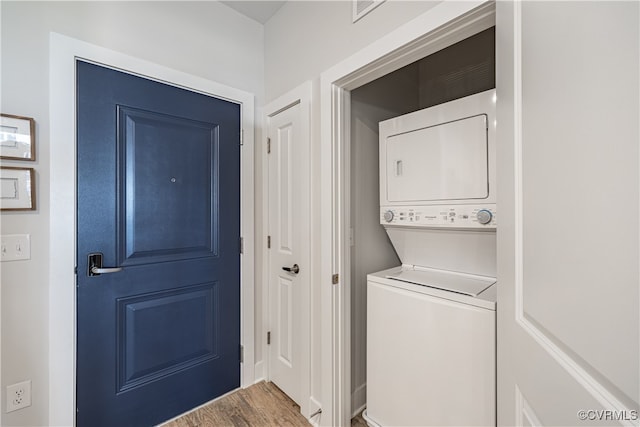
(17, 137)
(17, 189)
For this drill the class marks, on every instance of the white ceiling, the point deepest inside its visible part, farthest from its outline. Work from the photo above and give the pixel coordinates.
(259, 11)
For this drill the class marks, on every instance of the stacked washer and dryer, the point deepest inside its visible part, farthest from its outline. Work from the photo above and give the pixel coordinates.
(431, 324)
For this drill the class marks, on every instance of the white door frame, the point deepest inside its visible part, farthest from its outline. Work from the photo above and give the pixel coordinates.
(62, 296)
(441, 26)
(301, 95)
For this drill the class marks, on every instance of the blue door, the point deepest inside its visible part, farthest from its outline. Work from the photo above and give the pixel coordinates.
(158, 326)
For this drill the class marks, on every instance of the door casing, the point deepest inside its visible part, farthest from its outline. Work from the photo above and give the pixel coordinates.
(439, 27)
(301, 95)
(62, 296)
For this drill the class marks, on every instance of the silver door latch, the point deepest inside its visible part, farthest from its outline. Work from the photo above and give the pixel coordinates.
(94, 263)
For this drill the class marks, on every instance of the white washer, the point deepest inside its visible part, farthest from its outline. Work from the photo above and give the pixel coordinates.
(430, 352)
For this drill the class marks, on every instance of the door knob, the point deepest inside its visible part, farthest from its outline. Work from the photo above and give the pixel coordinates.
(295, 269)
(95, 265)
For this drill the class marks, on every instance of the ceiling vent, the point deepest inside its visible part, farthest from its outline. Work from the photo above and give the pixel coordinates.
(362, 7)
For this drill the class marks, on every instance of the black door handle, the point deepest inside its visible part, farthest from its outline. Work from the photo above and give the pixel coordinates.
(295, 269)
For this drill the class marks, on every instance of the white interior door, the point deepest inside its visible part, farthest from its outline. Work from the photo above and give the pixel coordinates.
(568, 178)
(289, 264)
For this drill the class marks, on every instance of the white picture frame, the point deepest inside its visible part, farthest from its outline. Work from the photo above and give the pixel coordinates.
(17, 137)
(17, 189)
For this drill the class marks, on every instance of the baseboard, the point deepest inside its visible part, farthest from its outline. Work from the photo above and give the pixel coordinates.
(259, 372)
(358, 400)
(314, 405)
(368, 420)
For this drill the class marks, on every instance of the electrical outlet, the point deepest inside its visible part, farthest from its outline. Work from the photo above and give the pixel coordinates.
(18, 396)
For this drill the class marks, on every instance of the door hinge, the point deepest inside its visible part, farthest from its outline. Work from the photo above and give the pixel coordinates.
(268, 242)
(241, 353)
(241, 245)
(268, 145)
(269, 338)
(241, 136)
(335, 279)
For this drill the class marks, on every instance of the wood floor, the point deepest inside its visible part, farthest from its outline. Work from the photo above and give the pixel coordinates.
(262, 404)
(358, 421)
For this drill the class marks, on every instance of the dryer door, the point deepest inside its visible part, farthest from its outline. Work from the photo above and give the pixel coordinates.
(447, 161)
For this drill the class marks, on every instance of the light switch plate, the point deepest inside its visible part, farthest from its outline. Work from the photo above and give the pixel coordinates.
(15, 247)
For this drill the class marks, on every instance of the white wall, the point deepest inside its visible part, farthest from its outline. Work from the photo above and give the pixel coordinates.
(305, 38)
(302, 40)
(206, 39)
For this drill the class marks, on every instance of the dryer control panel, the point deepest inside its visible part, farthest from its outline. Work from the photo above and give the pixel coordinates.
(442, 216)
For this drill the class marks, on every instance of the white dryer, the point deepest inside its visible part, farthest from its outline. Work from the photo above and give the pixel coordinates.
(431, 328)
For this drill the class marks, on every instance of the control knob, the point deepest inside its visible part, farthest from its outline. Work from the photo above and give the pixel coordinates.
(388, 216)
(484, 216)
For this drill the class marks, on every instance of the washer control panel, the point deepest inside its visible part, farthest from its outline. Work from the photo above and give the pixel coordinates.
(449, 216)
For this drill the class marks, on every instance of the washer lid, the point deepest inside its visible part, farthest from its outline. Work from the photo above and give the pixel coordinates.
(461, 283)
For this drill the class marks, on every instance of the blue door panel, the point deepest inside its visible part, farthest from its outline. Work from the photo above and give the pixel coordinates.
(168, 187)
(159, 195)
(151, 344)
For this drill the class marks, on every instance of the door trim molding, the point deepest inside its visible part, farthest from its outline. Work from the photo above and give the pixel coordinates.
(63, 53)
(525, 415)
(441, 26)
(301, 95)
(544, 339)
